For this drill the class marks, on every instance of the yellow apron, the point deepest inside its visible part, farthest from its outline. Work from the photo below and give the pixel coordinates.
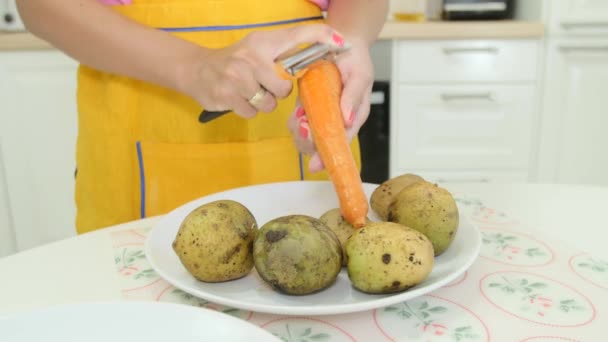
(141, 150)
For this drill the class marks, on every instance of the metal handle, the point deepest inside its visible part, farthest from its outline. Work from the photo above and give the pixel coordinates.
(487, 96)
(583, 48)
(453, 50)
(573, 24)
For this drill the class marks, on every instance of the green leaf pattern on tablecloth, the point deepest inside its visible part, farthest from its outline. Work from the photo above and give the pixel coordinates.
(537, 299)
(430, 318)
(305, 330)
(131, 263)
(479, 212)
(594, 270)
(176, 295)
(305, 335)
(513, 248)
(469, 202)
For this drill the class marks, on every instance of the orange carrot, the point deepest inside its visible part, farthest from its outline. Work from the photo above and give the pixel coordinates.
(320, 90)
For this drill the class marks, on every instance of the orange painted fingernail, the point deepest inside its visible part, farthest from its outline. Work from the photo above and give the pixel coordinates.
(338, 40)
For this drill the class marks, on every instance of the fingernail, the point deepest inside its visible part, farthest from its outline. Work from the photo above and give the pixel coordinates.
(300, 112)
(315, 164)
(338, 40)
(351, 117)
(304, 130)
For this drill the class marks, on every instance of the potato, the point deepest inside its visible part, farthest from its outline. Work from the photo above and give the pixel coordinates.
(215, 241)
(341, 228)
(297, 254)
(386, 257)
(384, 195)
(430, 210)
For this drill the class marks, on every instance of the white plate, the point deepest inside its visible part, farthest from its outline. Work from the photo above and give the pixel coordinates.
(128, 321)
(270, 201)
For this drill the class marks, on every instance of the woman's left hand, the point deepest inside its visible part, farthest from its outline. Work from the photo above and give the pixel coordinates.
(357, 73)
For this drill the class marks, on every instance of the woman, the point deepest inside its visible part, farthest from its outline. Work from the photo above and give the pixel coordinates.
(149, 66)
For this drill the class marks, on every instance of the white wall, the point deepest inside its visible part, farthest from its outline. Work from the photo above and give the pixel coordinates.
(529, 10)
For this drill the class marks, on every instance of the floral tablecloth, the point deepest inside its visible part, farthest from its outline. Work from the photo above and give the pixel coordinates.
(523, 287)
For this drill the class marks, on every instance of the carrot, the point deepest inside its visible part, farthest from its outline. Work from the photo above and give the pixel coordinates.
(320, 90)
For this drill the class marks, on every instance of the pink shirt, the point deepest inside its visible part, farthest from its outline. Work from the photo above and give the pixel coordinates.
(321, 3)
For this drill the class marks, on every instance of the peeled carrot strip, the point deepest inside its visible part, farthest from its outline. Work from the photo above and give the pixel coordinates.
(320, 90)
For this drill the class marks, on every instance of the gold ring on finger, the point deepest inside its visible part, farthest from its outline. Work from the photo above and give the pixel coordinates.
(257, 98)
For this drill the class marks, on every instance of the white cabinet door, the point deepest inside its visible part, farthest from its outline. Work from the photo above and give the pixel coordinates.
(575, 113)
(578, 16)
(38, 131)
(466, 127)
(7, 234)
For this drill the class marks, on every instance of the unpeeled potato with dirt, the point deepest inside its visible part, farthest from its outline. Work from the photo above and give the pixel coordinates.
(341, 228)
(215, 241)
(297, 254)
(431, 210)
(384, 195)
(387, 257)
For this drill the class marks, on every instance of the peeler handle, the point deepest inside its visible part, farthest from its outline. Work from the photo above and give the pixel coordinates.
(207, 116)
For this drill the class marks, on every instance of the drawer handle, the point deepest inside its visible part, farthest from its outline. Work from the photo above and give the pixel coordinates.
(581, 24)
(583, 48)
(446, 97)
(453, 50)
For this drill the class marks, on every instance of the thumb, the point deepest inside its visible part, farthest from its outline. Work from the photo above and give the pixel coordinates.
(352, 95)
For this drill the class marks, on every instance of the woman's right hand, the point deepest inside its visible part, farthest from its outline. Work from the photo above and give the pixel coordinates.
(228, 78)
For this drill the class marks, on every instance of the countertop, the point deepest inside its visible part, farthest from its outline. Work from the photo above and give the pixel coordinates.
(15, 41)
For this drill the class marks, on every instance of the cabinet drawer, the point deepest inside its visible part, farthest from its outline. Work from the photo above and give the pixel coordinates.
(466, 60)
(462, 127)
(578, 17)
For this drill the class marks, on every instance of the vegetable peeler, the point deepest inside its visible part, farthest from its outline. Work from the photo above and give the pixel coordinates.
(290, 66)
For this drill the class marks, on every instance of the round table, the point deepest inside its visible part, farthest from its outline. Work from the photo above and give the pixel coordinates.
(542, 275)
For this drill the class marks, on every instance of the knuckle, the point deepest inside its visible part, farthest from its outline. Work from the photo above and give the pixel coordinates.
(270, 105)
(233, 66)
(326, 30)
(254, 37)
(246, 112)
(283, 89)
(222, 94)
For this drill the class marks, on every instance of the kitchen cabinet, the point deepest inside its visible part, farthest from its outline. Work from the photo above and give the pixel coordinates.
(577, 17)
(464, 110)
(38, 124)
(572, 137)
(574, 119)
(7, 234)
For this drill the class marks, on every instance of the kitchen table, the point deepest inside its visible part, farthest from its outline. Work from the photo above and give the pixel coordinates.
(542, 275)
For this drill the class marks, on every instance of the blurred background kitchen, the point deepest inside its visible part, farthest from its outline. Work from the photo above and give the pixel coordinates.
(466, 91)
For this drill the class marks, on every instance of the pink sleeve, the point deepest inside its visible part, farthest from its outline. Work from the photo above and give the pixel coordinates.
(323, 4)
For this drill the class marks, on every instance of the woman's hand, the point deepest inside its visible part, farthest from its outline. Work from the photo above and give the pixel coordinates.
(230, 77)
(357, 73)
